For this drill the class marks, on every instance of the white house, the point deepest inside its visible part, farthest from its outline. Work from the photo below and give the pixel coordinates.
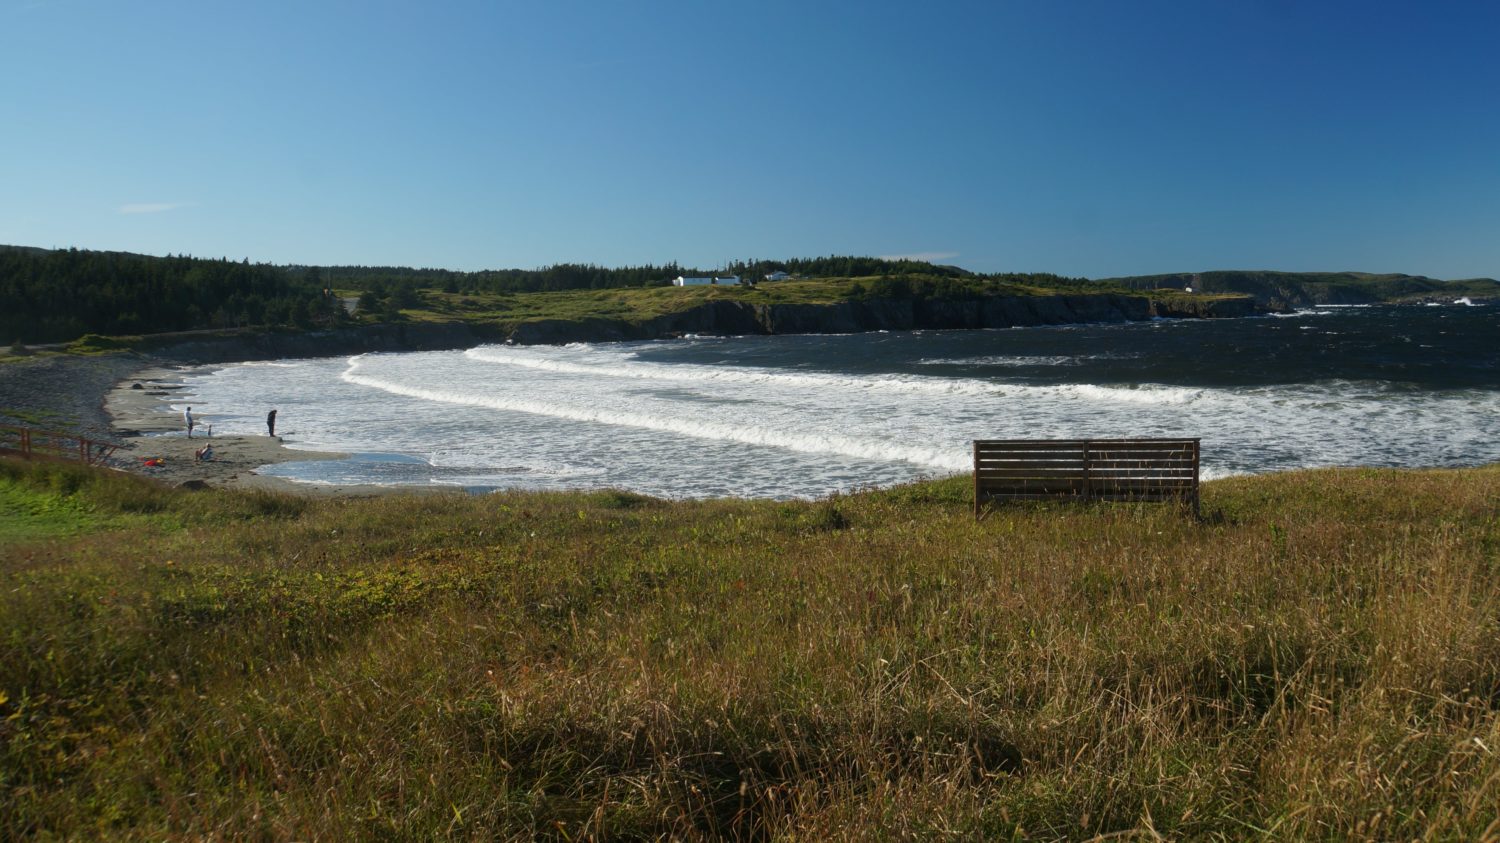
(681, 281)
(778, 275)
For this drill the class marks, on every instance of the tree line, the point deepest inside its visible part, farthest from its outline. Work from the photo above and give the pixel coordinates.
(60, 295)
(574, 276)
(563, 276)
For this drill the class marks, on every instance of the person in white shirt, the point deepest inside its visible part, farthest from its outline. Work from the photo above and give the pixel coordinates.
(187, 416)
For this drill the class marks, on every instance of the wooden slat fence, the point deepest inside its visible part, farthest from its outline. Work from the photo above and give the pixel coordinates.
(29, 444)
(1086, 469)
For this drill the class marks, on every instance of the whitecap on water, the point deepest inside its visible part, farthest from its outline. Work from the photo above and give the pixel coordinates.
(779, 417)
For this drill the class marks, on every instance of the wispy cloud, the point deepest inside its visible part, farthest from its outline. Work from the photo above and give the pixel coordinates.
(151, 207)
(930, 257)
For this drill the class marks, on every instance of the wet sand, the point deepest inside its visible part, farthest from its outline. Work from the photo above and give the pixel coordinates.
(144, 420)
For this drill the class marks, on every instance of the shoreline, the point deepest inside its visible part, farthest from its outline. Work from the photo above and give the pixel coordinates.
(92, 395)
(148, 428)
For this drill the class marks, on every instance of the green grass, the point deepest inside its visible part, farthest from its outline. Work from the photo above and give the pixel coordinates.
(639, 304)
(93, 345)
(1173, 296)
(27, 514)
(47, 419)
(631, 304)
(1318, 659)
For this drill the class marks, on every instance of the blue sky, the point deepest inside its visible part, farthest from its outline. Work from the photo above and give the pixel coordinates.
(1084, 138)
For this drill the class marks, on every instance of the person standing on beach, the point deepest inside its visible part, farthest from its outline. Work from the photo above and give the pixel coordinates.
(187, 416)
(271, 424)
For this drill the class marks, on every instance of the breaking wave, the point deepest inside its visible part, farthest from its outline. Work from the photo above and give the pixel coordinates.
(807, 416)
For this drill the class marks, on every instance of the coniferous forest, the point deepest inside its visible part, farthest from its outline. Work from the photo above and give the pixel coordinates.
(60, 295)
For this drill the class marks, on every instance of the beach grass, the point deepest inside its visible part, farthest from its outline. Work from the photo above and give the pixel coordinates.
(1319, 658)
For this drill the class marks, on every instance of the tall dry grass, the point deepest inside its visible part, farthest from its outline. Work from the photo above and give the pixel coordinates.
(1318, 659)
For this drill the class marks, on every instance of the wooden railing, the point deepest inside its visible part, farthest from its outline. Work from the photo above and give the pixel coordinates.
(31, 444)
(1086, 469)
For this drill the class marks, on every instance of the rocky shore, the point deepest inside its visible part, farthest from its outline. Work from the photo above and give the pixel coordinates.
(64, 392)
(124, 399)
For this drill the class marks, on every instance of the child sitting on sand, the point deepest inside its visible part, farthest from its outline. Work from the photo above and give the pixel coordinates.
(204, 454)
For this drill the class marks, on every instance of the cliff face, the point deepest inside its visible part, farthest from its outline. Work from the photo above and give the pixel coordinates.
(717, 318)
(1201, 308)
(1284, 290)
(848, 317)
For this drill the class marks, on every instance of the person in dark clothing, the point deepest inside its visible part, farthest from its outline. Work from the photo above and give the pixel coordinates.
(271, 424)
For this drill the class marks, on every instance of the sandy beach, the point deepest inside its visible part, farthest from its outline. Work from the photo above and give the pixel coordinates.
(150, 429)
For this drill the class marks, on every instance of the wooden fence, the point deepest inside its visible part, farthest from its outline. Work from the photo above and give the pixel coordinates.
(31, 444)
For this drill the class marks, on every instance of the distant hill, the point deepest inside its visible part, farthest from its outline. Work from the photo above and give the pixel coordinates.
(57, 295)
(1303, 289)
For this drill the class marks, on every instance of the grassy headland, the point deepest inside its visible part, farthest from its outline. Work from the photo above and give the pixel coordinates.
(640, 304)
(1300, 289)
(1319, 659)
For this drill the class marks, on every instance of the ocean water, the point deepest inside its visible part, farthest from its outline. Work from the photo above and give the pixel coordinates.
(806, 416)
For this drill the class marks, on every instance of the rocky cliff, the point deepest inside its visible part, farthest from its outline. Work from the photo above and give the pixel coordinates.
(1285, 290)
(1192, 307)
(717, 318)
(879, 314)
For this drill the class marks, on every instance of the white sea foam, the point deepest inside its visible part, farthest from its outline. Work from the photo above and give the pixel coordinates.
(616, 367)
(1017, 361)
(608, 364)
(636, 416)
(1321, 310)
(701, 428)
(1144, 394)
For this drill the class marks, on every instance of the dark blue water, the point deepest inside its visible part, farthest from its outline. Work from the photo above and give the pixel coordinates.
(1410, 346)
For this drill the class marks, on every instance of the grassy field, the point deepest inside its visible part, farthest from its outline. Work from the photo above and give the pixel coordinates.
(1318, 659)
(638, 304)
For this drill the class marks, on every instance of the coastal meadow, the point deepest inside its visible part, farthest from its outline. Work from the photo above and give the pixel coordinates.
(1319, 657)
